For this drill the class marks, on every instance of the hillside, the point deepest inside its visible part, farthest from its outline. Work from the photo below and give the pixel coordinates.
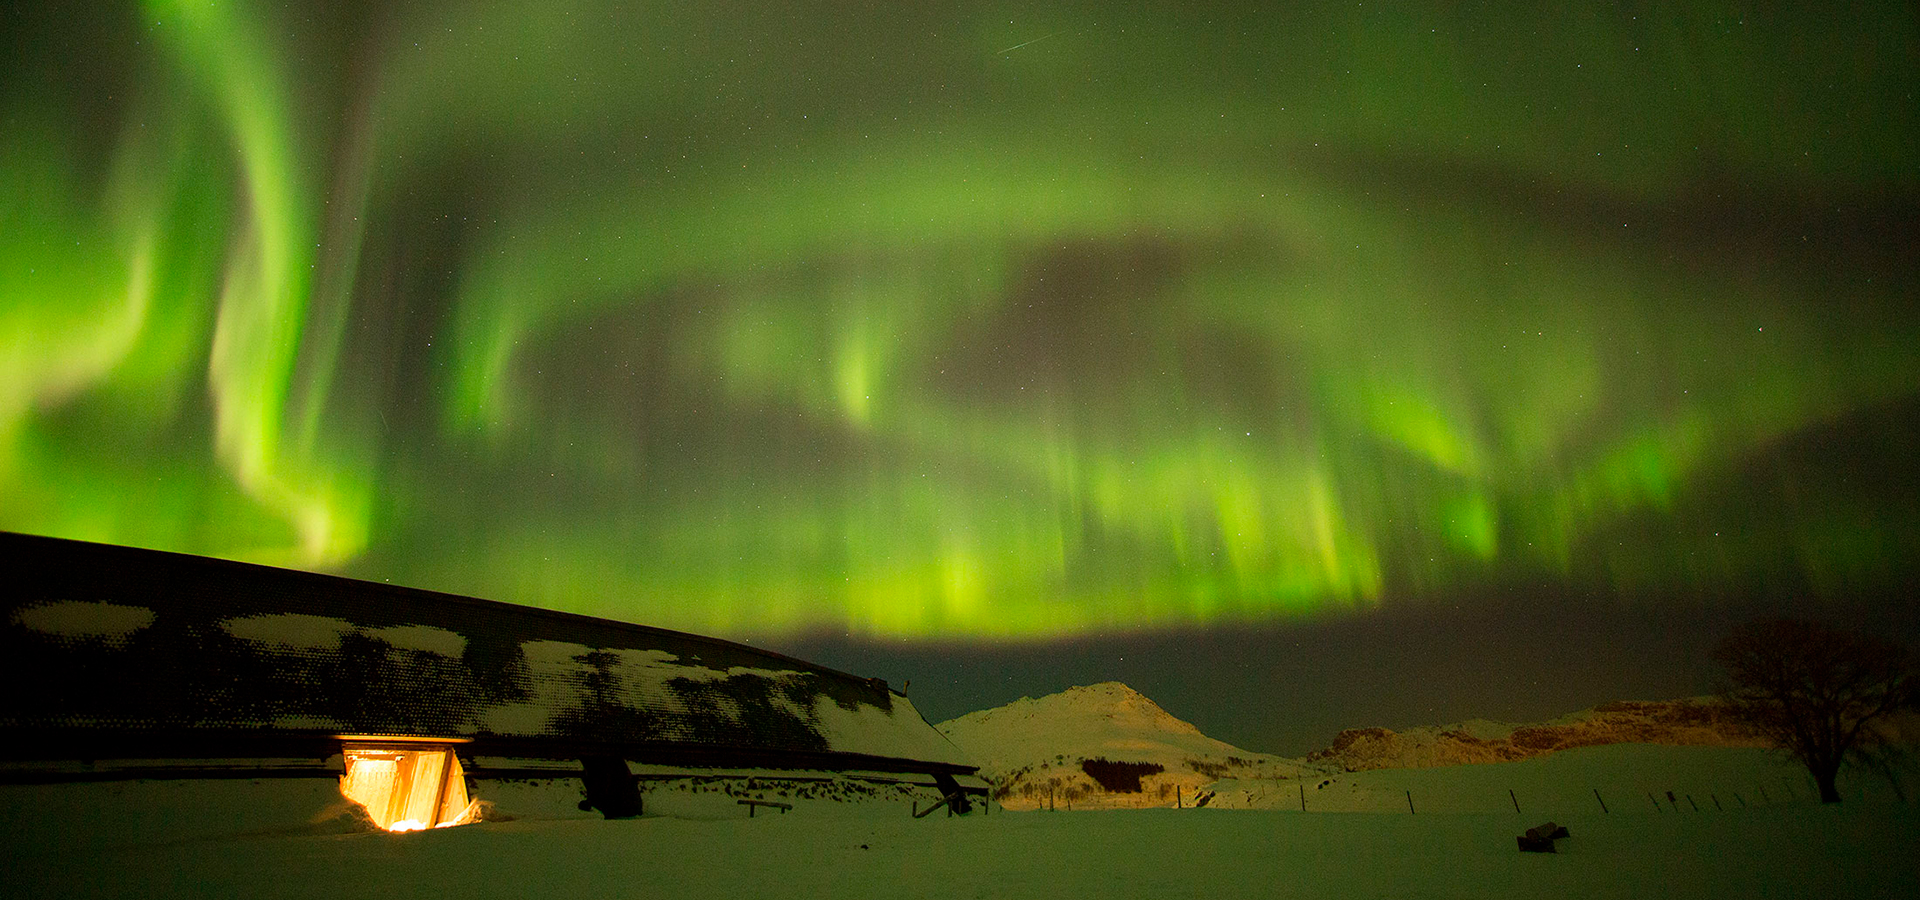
(1689, 722)
(1107, 746)
(1103, 745)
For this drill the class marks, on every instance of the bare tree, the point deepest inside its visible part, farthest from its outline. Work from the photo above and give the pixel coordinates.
(1817, 693)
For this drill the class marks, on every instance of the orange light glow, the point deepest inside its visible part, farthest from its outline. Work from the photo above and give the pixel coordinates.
(407, 788)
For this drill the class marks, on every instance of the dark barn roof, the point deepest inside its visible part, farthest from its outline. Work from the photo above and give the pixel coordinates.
(116, 652)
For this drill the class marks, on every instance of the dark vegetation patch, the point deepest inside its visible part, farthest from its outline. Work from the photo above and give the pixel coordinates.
(1217, 769)
(1209, 769)
(1119, 777)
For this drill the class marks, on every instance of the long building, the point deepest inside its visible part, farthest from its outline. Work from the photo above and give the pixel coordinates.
(138, 666)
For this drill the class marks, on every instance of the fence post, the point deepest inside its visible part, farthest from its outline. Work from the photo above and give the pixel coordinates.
(1410, 803)
(1303, 796)
(1603, 803)
(1516, 800)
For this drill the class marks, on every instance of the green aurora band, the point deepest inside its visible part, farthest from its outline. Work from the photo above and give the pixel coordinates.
(760, 319)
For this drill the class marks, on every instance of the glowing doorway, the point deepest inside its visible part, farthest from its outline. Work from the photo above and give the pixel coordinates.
(407, 787)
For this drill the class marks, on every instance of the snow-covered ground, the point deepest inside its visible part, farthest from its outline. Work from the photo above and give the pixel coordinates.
(1740, 822)
(1624, 777)
(1788, 849)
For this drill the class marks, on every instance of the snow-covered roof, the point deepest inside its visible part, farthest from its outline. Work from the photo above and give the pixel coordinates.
(101, 643)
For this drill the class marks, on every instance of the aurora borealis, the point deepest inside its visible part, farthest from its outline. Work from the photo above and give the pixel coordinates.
(972, 321)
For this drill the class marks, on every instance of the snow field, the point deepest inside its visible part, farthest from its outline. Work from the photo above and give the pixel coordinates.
(1799, 850)
(1563, 783)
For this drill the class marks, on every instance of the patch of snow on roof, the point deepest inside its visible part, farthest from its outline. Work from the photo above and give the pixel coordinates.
(424, 638)
(109, 622)
(554, 675)
(900, 733)
(294, 631)
(658, 680)
(298, 631)
(552, 652)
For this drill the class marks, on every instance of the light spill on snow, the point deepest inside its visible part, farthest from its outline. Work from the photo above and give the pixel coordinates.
(111, 623)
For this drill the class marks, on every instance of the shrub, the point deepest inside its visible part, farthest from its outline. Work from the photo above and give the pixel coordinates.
(1119, 777)
(1209, 769)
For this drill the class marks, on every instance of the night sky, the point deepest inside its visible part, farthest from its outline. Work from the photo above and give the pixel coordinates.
(1303, 365)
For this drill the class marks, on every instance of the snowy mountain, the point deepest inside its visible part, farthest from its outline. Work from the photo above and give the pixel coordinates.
(1103, 745)
(1107, 746)
(1689, 722)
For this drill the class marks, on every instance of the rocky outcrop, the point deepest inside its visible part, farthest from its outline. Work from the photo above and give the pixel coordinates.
(1697, 721)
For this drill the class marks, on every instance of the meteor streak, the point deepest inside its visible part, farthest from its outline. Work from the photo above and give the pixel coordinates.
(1034, 41)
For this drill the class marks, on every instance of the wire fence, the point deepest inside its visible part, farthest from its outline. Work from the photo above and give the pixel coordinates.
(1612, 780)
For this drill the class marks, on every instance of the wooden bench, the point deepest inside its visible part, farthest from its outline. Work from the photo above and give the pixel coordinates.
(950, 801)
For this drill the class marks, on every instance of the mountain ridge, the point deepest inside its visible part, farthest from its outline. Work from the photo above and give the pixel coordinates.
(1107, 745)
(1690, 721)
(1060, 749)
